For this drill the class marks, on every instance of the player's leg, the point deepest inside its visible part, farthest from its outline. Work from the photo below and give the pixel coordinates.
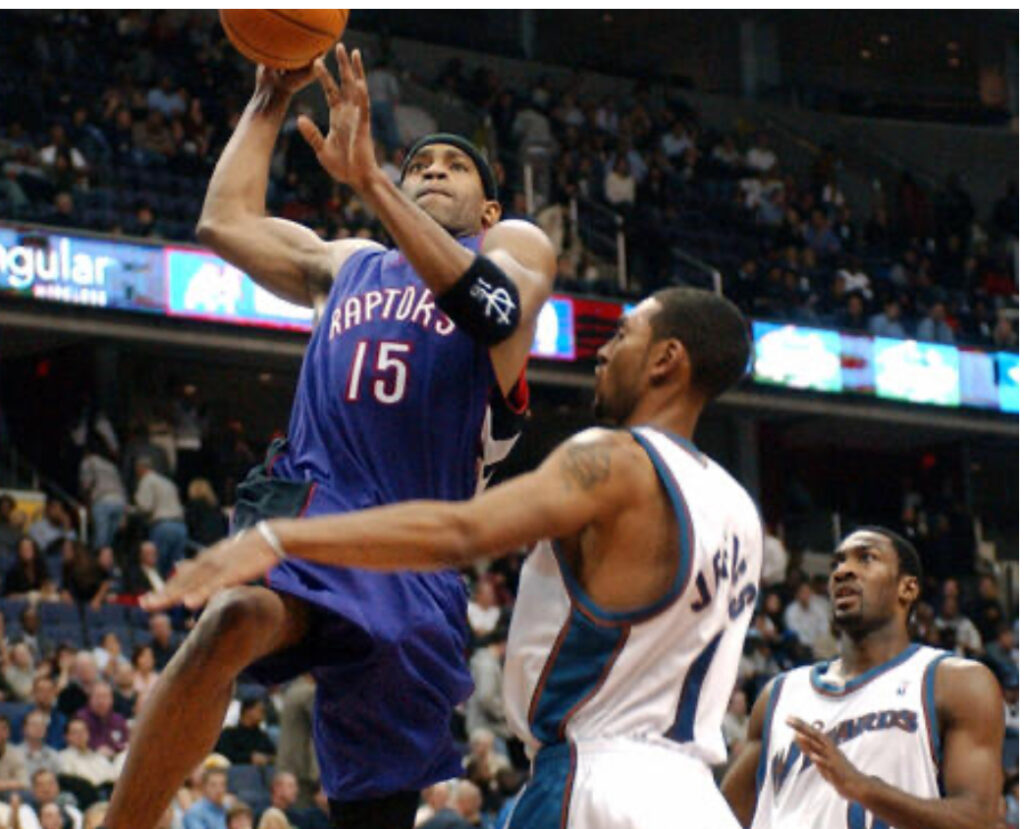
(183, 715)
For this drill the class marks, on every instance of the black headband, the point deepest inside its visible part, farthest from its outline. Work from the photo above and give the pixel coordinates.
(487, 179)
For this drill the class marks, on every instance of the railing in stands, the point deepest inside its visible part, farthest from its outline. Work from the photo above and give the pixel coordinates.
(602, 231)
(702, 267)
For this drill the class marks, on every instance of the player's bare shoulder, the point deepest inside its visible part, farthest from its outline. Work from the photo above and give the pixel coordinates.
(600, 457)
(525, 241)
(963, 686)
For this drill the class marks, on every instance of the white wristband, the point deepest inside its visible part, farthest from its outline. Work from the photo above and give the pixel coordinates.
(268, 535)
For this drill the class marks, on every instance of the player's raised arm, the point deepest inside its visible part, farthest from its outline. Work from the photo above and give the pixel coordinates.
(495, 295)
(739, 786)
(284, 257)
(593, 475)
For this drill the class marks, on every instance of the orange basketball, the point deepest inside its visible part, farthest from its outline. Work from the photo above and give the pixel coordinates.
(283, 38)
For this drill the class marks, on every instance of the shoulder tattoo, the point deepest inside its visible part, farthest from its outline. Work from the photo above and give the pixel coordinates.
(586, 466)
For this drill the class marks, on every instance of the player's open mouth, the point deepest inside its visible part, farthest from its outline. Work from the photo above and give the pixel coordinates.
(845, 593)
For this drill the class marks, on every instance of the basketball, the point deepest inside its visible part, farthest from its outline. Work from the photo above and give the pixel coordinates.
(283, 38)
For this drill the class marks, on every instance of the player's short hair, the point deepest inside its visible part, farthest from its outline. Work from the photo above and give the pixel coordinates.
(713, 331)
(906, 553)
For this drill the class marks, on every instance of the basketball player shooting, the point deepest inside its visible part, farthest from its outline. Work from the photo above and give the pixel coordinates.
(891, 735)
(391, 405)
(633, 607)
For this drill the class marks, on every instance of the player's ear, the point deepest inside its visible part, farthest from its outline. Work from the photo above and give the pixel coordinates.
(909, 590)
(491, 215)
(669, 356)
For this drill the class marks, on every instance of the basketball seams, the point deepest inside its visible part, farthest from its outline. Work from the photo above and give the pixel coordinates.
(302, 24)
(257, 53)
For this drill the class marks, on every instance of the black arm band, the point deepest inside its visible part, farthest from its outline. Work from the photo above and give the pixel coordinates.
(484, 303)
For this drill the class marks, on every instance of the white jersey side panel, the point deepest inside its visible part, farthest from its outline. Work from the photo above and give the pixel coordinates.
(662, 674)
(883, 721)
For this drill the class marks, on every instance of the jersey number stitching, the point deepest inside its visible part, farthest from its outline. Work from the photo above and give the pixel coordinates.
(391, 361)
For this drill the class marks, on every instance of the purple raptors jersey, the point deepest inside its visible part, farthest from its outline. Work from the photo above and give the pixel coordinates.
(394, 403)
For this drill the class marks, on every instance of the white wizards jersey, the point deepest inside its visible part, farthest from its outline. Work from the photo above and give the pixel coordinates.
(664, 673)
(883, 721)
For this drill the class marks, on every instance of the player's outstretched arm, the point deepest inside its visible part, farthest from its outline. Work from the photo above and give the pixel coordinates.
(522, 253)
(739, 786)
(970, 711)
(284, 257)
(586, 479)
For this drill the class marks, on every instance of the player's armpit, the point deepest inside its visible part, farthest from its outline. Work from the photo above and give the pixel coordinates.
(525, 255)
(286, 258)
(739, 785)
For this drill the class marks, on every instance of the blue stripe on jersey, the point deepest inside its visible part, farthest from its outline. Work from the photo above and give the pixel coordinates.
(766, 730)
(682, 576)
(579, 663)
(685, 443)
(544, 803)
(931, 718)
(686, 712)
(833, 690)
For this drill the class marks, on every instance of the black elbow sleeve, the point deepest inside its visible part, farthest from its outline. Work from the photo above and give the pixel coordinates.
(484, 303)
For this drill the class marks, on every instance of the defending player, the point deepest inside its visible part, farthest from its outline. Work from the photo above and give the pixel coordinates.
(632, 610)
(391, 405)
(891, 735)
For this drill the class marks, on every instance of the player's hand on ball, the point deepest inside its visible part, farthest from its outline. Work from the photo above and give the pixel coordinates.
(283, 81)
(830, 762)
(346, 152)
(236, 560)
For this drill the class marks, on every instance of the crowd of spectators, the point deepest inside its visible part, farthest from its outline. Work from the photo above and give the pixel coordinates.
(130, 151)
(74, 671)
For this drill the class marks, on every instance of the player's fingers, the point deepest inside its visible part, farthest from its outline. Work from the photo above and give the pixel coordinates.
(344, 66)
(311, 133)
(331, 91)
(802, 727)
(357, 65)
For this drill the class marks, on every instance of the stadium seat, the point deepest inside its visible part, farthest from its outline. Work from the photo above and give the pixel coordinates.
(107, 615)
(12, 609)
(15, 712)
(72, 635)
(59, 613)
(242, 777)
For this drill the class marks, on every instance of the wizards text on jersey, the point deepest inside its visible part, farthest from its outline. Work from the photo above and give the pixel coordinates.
(851, 729)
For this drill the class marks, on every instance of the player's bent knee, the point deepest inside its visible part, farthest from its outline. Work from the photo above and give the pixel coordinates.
(240, 622)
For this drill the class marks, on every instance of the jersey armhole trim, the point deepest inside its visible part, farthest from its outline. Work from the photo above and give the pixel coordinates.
(684, 564)
(766, 731)
(931, 718)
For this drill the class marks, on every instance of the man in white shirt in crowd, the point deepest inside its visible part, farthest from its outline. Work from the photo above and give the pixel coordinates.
(483, 610)
(676, 141)
(776, 559)
(760, 157)
(157, 498)
(808, 617)
(78, 760)
(38, 755)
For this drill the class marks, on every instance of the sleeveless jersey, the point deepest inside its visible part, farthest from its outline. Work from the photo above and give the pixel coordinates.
(575, 672)
(394, 403)
(884, 721)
